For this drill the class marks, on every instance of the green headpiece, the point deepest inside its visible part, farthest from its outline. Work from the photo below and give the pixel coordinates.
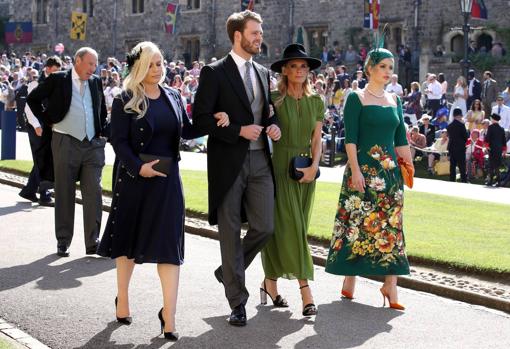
(378, 53)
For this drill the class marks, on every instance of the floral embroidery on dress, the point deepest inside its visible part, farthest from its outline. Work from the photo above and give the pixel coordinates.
(370, 224)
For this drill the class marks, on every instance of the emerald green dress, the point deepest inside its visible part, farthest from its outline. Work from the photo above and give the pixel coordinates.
(287, 253)
(368, 238)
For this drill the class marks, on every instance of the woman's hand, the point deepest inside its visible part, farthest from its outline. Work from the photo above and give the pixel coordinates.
(308, 174)
(223, 120)
(358, 181)
(148, 172)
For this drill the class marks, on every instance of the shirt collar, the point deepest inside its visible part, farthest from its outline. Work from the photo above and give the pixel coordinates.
(240, 61)
(75, 75)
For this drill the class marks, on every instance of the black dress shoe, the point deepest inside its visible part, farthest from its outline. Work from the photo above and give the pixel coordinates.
(46, 202)
(30, 197)
(62, 251)
(238, 316)
(91, 250)
(218, 273)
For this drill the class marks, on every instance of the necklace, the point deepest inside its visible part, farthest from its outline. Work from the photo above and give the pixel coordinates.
(373, 94)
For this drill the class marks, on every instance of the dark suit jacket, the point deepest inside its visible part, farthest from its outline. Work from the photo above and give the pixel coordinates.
(130, 136)
(221, 88)
(57, 90)
(50, 102)
(477, 92)
(489, 93)
(457, 137)
(430, 135)
(495, 139)
(477, 89)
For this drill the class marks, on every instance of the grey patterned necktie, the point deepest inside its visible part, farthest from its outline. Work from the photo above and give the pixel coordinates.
(248, 83)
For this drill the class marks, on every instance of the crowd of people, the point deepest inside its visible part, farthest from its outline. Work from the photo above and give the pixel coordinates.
(265, 132)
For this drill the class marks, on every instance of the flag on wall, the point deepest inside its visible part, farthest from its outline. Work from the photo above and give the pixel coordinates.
(18, 32)
(78, 26)
(479, 10)
(371, 14)
(247, 5)
(172, 10)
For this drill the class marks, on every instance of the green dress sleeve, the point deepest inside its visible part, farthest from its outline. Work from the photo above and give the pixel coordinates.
(319, 108)
(352, 112)
(400, 133)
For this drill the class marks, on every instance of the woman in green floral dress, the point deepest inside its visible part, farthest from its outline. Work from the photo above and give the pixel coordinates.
(300, 113)
(368, 238)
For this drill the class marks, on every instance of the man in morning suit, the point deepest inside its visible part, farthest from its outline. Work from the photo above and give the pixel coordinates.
(72, 102)
(474, 88)
(489, 92)
(241, 184)
(495, 141)
(457, 138)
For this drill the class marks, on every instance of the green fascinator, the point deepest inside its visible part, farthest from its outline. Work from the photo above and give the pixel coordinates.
(378, 52)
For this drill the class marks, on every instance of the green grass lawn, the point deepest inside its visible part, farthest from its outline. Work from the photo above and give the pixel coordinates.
(464, 233)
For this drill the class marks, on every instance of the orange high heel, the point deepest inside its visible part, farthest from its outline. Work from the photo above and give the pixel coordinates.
(346, 294)
(392, 305)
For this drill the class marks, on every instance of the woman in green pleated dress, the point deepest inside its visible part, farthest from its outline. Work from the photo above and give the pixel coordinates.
(300, 114)
(368, 237)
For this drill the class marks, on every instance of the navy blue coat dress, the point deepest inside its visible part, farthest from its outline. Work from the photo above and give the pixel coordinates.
(146, 221)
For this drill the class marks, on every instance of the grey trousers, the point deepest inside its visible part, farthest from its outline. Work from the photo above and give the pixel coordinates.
(253, 189)
(73, 161)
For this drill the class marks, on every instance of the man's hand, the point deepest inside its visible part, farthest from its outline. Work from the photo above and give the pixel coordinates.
(38, 131)
(223, 120)
(251, 132)
(273, 132)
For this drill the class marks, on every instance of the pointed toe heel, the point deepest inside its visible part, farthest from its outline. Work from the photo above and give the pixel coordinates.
(122, 320)
(171, 336)
(395, 305)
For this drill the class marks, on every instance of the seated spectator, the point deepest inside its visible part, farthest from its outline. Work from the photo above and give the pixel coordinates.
(417, 141)
(427, 129)
(360, 79)
(438, 149)
(474, 154)
(484, 127)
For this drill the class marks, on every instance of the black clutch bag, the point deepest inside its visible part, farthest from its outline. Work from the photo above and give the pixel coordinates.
(300, 162)
(164, 164)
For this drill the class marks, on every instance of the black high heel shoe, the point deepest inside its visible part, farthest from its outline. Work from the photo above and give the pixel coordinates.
(172, 336)
(278, 302)
(123, 320)
(309, 309)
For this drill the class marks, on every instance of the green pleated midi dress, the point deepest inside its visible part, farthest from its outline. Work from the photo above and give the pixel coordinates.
(287, 253)
(368, 236)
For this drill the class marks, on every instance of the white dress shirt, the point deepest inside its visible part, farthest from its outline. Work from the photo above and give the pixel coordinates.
(435, 90)
(395, 88)
(32, 120)
(505, 115)
(240, 61)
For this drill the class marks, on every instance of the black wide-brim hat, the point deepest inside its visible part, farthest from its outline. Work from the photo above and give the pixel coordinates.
(295, 51)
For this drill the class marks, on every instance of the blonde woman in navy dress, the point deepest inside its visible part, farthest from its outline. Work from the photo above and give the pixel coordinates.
(147, 217)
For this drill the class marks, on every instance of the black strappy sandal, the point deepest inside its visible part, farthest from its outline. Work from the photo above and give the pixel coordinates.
(309, 309)
(278, 302)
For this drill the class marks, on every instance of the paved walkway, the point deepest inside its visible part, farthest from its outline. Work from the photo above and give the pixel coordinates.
(198, 162)
(68, 302)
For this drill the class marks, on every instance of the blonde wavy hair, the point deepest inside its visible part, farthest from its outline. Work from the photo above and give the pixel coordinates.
(133, 81)
(283, 84)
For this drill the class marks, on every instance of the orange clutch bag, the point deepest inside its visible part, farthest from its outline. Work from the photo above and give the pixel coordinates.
(407, 171)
